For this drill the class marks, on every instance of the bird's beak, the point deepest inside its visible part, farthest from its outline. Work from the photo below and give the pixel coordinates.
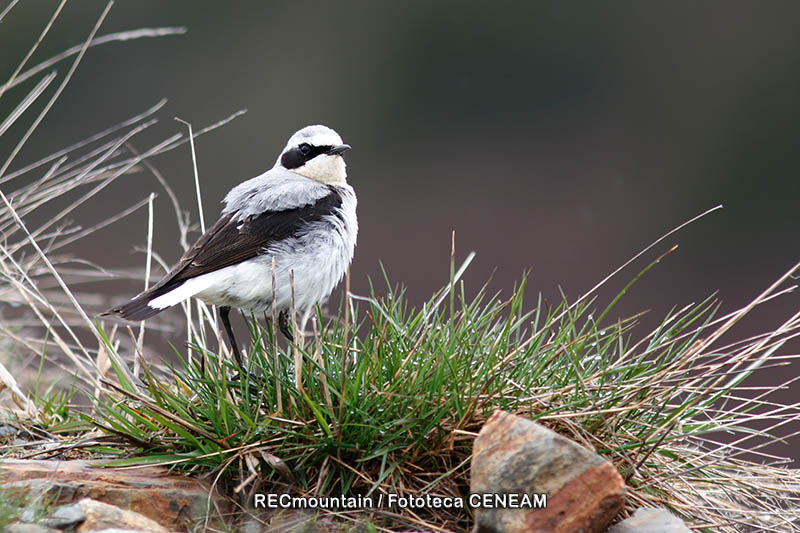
(336, 150)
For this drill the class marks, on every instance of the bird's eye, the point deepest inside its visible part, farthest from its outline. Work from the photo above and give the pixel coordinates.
(305, 148)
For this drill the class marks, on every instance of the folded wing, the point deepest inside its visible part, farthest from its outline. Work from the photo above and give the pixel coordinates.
(232, 240)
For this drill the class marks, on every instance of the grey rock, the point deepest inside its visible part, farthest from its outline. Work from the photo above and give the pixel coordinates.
(28, 515)
(118, 530)
(8, 431)
(19, 527)
(647, 520)
(66, 516)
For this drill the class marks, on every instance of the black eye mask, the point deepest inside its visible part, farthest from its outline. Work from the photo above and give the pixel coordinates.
(296, 157)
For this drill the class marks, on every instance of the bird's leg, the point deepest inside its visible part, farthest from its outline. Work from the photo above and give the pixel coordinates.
(224, 311)
(283, 325)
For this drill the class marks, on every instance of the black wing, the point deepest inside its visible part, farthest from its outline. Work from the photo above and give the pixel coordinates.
(229, 242)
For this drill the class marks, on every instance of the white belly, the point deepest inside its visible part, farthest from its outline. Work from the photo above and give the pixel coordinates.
(249, 285)
(317, 259)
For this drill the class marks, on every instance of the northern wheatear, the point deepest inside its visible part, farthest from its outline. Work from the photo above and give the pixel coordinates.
(300, 214)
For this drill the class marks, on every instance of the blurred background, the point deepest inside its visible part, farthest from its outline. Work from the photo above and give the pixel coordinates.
(560, 138)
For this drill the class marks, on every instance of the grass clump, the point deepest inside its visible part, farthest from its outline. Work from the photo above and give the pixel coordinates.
(388, 398)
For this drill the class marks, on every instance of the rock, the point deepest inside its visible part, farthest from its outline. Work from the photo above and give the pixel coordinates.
(7, 431)
(20, 527)
(175, 502)
(514, 456)
(28, 515)
(118, 530)
(101, 516)
(646, 520)
(65, 517)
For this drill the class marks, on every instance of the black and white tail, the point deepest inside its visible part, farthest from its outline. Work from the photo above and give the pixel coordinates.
(138, 308)
(163, 295)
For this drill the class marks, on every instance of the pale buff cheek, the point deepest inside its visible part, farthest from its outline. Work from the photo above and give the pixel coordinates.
(325, 169)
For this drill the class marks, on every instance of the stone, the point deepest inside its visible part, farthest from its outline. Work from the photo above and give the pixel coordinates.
(65, 517)
(175, 502)
(118, 530)
(101, 516)
(7, 431)
(28, 515)
(514, 456)
(20, 527)
(648, 520)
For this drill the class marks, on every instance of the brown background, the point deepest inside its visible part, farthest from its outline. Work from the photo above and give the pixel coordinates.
(560, 138)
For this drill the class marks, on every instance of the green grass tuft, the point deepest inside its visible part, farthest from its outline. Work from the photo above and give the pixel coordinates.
(390, 400)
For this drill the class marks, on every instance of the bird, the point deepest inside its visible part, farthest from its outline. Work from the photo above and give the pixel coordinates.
(294, 227)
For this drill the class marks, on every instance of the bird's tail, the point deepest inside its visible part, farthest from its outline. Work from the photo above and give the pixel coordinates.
(159, 297)
(137, 309)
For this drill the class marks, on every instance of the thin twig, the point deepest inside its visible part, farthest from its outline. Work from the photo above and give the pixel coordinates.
(118, 36)
(61, 87)
(33, 48)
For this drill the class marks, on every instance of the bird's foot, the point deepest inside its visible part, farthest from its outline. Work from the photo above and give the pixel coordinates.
(283, 325)
(252, 378)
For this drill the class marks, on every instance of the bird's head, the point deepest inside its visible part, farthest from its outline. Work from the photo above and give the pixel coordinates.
(316, 153)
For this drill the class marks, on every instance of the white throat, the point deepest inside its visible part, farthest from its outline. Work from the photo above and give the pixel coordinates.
(325, 169)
